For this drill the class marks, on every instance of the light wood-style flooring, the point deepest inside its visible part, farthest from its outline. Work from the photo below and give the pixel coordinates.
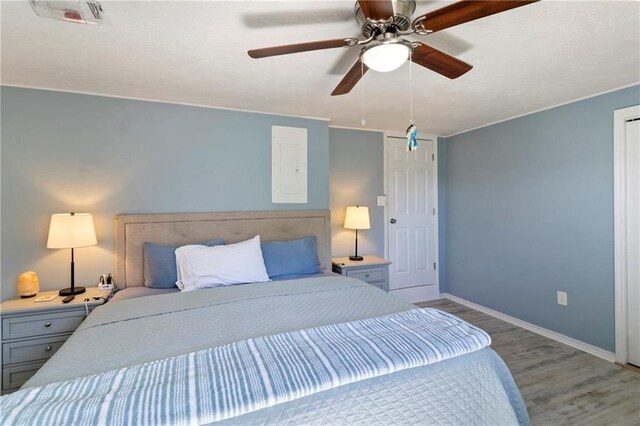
(560, 385)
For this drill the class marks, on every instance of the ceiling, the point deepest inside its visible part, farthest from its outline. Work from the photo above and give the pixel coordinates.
(526, 59)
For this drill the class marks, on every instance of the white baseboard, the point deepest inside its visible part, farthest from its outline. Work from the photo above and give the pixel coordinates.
(570, 341)
(417, 294)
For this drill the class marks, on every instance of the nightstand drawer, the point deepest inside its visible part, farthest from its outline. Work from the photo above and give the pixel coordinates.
(368, 275)
(16, 376)
(31, 350)
(41, 325)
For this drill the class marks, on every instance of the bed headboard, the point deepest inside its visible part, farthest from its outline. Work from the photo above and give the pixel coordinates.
(133, 230)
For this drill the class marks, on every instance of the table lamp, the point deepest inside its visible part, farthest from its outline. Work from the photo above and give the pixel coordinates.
(71, 230)
(357, 217)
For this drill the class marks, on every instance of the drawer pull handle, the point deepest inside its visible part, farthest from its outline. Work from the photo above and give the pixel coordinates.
(366, 275)
(48, 349)
(47, 324)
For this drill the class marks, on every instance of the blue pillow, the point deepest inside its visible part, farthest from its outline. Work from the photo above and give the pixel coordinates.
(160, 269)
(294, 257)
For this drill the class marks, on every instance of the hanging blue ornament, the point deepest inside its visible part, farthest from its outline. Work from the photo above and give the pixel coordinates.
(412, 132)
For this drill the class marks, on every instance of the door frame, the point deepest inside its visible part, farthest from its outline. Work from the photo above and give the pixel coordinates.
(620, 116)
(436, 237)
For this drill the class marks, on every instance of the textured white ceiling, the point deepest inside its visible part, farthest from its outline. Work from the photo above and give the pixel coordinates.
(524, 60)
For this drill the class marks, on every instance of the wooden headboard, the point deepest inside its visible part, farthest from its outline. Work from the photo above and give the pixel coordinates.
(133, 230)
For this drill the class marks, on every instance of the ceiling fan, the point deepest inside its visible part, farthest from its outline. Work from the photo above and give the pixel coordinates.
(384, 23)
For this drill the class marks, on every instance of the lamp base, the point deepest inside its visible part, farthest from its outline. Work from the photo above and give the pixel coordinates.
(356, 258)
(69, 292)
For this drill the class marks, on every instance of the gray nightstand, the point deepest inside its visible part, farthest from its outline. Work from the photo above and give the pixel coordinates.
(372, 269)
(32, 332)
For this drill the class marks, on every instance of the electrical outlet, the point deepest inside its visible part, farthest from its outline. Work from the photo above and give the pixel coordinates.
(382, 200)
(562, 298)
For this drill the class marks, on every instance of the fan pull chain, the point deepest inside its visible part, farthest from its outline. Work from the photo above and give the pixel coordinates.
(363, 122)
(410, 88)
(412, 130)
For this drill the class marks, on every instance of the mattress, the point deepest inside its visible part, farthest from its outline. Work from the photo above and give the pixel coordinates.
(475, 388)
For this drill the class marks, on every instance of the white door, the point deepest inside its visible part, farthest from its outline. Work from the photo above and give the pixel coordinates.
(411, 195)
(632, 139)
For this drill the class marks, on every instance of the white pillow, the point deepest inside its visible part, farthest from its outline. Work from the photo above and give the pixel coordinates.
(218, 266)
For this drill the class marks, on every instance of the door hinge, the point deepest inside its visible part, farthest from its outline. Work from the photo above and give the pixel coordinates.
(434, 211)
(433, 157)
(434, 265)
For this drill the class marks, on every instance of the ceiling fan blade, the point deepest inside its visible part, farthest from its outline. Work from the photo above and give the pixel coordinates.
(377, 10)
(464, 11)
(300, 47)
(438, 61)
(350, 79)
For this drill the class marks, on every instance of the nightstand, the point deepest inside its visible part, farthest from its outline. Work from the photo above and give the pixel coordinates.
(372, 269)
(33, 331)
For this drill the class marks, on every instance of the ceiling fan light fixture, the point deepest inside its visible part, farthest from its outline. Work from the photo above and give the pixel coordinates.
(386, 55)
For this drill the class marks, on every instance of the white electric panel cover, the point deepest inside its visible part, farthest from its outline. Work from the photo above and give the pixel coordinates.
(288, 165)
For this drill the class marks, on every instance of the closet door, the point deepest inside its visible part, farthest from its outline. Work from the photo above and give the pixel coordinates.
(411, 189)
(632, 142)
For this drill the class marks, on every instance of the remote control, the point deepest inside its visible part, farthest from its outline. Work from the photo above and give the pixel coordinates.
(68, 299)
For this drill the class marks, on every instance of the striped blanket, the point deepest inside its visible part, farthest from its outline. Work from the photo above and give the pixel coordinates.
(227, 381)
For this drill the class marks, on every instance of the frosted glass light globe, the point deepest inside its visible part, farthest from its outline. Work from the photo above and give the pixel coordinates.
(385, 57)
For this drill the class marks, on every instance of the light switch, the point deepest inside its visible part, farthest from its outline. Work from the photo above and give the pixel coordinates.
(382, 200)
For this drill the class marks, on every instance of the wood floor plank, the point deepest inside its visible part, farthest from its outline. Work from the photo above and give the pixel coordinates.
(561, 385)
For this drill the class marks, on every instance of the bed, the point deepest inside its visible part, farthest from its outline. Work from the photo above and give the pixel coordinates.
(150, 335)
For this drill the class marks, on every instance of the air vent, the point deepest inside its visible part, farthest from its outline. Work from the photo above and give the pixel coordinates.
(96, 9)
(79, 12)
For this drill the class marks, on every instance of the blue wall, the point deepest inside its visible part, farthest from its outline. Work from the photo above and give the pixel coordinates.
(67, 152)
(529, 211)
(356, 178)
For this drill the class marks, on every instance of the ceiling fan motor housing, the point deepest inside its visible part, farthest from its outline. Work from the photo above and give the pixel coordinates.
(402, 11)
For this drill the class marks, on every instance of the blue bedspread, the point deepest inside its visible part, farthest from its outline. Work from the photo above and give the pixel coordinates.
(231, 380)
(475, 388)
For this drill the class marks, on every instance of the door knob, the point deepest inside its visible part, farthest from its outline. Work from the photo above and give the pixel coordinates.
(392, 220)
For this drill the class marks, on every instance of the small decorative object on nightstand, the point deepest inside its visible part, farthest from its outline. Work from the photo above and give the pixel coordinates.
(371, 269)
(33, 331)
(28, 284)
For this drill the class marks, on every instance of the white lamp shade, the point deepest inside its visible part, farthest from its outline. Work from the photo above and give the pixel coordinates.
(386, 57)
(71, 230)
(357, 217)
